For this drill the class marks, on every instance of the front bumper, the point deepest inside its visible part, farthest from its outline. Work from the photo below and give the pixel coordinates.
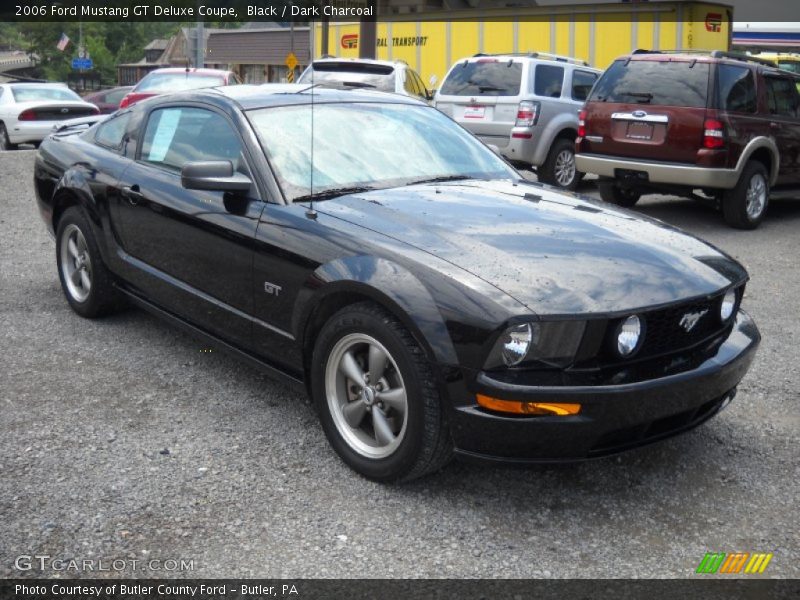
(659, 172)
(613, 418)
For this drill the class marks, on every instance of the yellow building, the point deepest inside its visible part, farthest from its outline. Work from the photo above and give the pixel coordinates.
(596, 33)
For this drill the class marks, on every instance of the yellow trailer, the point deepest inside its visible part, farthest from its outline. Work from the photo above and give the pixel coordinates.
(596, 33)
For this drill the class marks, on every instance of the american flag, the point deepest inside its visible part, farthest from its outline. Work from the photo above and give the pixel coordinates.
(62, 42)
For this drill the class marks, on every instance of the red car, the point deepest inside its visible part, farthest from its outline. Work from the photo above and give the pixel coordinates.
(175, 79)
(109, 100)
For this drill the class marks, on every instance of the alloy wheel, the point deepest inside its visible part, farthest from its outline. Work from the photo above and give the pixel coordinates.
(366, 395)
(756, 196)
(76, 264)
(565, 168)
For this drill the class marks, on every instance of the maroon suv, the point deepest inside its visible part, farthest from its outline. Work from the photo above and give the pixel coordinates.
(716, 125)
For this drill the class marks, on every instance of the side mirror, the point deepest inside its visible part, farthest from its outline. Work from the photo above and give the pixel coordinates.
(429, 94)
(213, 176)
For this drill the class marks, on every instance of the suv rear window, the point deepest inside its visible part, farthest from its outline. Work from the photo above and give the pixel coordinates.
(351, 74)
(483, 78)
(665, 83)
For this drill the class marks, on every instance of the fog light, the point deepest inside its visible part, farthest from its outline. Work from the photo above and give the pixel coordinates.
(629, 334)
(727, 305)
(551, 409)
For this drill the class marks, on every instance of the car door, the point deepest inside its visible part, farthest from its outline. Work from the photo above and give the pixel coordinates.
(783, 104)
(192, 250)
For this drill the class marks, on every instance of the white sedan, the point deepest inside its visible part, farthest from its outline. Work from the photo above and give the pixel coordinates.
(28, 111)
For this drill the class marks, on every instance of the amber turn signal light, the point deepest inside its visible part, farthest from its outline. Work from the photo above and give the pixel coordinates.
(515, 407)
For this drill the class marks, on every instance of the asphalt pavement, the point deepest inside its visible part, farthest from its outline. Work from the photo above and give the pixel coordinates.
(124, 439)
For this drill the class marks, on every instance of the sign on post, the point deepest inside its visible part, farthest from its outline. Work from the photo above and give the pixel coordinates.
(82, 63)
(291, 64)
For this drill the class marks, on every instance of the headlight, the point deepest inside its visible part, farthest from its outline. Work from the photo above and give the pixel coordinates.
(629, 334)
(536, 345)
(516, 341)
(727, 305)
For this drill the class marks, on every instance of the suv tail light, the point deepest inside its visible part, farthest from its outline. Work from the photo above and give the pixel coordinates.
(582, 123)
(27, 115)
(527, 114)
(713, 134)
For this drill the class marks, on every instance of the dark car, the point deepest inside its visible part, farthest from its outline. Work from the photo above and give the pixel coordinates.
(429, 302)
(109, 100)
(717, 126)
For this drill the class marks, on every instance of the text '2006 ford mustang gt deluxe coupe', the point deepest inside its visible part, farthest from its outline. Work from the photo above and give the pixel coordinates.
(366, 248)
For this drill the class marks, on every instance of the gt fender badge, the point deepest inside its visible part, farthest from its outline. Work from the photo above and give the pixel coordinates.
(271, 288)
(689, 320)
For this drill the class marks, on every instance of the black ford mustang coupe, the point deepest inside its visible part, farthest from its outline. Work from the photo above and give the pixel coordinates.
(367, 249)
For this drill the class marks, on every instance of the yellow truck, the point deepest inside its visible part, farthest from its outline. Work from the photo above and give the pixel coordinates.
(596, 33)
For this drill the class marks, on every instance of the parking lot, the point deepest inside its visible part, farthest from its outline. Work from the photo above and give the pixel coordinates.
(123, 438)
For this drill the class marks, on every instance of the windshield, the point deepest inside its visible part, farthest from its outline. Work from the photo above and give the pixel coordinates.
(364, 145)
(36, 94)
(378, 77)
(175, 82)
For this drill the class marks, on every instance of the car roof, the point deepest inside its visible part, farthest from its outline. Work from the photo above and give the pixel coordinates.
(34, 84)
(530, 56)
(249, 97)
(190, 70)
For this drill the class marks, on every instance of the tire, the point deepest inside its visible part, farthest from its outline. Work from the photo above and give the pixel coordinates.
(559, 168)
(745, 205)
(417, 441)
(614, 194)
(85, 281)
(5, 143)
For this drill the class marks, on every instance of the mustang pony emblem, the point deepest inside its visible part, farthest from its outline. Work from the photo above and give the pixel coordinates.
(689, 320)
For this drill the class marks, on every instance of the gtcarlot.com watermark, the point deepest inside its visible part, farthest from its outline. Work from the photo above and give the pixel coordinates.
(45, 562)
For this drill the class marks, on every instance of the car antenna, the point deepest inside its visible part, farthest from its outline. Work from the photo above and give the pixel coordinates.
(311, 213)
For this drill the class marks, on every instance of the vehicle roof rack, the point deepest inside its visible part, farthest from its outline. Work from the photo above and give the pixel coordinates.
(545, 55)
(712, 54)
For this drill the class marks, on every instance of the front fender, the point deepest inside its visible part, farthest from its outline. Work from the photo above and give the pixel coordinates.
(390, 285)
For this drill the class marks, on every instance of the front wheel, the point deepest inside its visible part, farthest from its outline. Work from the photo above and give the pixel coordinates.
(745, 205)
(614, 194)
(559, 168)
(377, 398)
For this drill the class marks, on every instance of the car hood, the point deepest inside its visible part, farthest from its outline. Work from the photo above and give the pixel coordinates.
(554, 252)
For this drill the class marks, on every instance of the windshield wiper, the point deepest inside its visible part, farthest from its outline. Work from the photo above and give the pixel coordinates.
(334, 193)
(645, 96)
(440, 179)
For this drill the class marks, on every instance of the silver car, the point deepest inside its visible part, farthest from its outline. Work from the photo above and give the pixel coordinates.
(525, 104)
(393, 76)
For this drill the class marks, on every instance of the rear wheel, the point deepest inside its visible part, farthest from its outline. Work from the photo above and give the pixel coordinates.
(615, 194)
(559, 168)
(376, 396)
(745, 205)
(84, 278)
(5, 143)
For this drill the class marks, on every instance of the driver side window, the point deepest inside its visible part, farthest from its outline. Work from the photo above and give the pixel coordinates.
(177, 135)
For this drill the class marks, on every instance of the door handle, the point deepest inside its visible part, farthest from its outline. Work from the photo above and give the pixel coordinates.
(132, 194)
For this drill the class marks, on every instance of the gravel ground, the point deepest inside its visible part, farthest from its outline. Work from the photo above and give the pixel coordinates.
(123, 439)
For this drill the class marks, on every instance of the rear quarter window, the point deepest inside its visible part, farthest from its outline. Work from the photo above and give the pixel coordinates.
(664, 83)
(548, 81)
(483, 78)
(737, 89)
(111, 133)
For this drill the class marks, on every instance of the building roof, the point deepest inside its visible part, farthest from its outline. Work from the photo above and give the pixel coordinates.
(157, 44)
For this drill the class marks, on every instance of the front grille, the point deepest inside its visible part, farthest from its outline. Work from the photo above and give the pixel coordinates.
(663, 331)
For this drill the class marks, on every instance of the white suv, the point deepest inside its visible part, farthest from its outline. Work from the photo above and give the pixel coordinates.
(382, 75)
(525, 104)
